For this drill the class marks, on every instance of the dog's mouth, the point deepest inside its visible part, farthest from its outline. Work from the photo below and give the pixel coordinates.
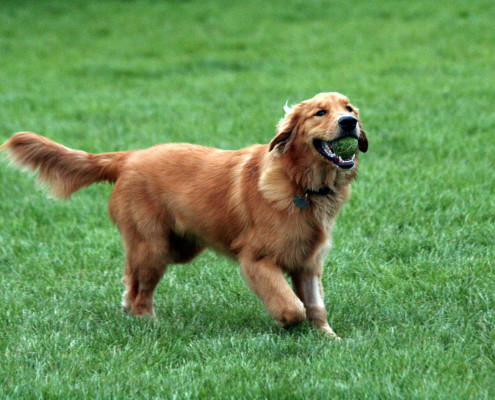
(325, 149)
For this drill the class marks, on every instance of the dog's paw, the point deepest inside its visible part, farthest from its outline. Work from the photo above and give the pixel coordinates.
(329, 333)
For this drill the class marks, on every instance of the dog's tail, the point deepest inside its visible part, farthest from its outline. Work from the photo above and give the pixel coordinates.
(62, 169)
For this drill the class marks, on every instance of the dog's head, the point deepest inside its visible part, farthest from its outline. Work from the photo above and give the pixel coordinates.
(313, 125)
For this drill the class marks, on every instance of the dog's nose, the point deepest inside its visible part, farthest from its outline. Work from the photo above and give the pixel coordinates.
(347, 123)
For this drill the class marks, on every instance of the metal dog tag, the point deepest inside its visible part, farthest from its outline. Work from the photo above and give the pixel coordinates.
(300, 202)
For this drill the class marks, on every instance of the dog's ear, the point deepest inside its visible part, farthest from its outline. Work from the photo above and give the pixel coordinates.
(362, 141)
(285, 129)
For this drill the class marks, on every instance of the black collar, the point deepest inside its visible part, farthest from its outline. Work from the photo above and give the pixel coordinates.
(323, 191)
(302, 202)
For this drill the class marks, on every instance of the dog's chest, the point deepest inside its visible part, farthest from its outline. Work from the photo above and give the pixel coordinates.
(301, 241)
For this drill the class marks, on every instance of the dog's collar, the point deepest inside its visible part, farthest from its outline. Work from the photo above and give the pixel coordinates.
(302, 202)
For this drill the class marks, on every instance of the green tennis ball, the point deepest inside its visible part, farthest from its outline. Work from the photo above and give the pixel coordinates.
(345, 147)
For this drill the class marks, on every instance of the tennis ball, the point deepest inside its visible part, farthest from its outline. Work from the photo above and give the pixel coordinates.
(345, 147)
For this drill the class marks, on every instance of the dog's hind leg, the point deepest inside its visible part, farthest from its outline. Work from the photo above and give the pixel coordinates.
(267, 280)
(146, 261)
(145, 266)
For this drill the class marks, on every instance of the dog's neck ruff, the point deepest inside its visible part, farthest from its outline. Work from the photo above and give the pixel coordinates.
(302, 202)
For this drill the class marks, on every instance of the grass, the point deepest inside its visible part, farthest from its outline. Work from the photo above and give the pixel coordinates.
(410, 282)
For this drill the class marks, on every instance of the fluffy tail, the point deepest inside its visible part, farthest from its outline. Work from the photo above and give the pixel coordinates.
(62, 169)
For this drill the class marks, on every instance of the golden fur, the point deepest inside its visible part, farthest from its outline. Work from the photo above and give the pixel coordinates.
(172, 200)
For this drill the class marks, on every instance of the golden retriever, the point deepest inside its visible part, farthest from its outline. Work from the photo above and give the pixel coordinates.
(271, 207)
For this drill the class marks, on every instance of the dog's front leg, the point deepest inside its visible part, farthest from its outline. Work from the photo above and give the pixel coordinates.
(267, 280)
(309, 289)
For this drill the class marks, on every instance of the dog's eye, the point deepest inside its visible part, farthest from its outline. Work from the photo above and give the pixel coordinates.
(349, 108)
(320, 113)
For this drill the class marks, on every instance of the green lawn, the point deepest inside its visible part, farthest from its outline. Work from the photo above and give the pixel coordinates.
(410, 283)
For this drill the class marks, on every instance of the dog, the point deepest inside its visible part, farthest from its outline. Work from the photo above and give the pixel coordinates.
(270, 207)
